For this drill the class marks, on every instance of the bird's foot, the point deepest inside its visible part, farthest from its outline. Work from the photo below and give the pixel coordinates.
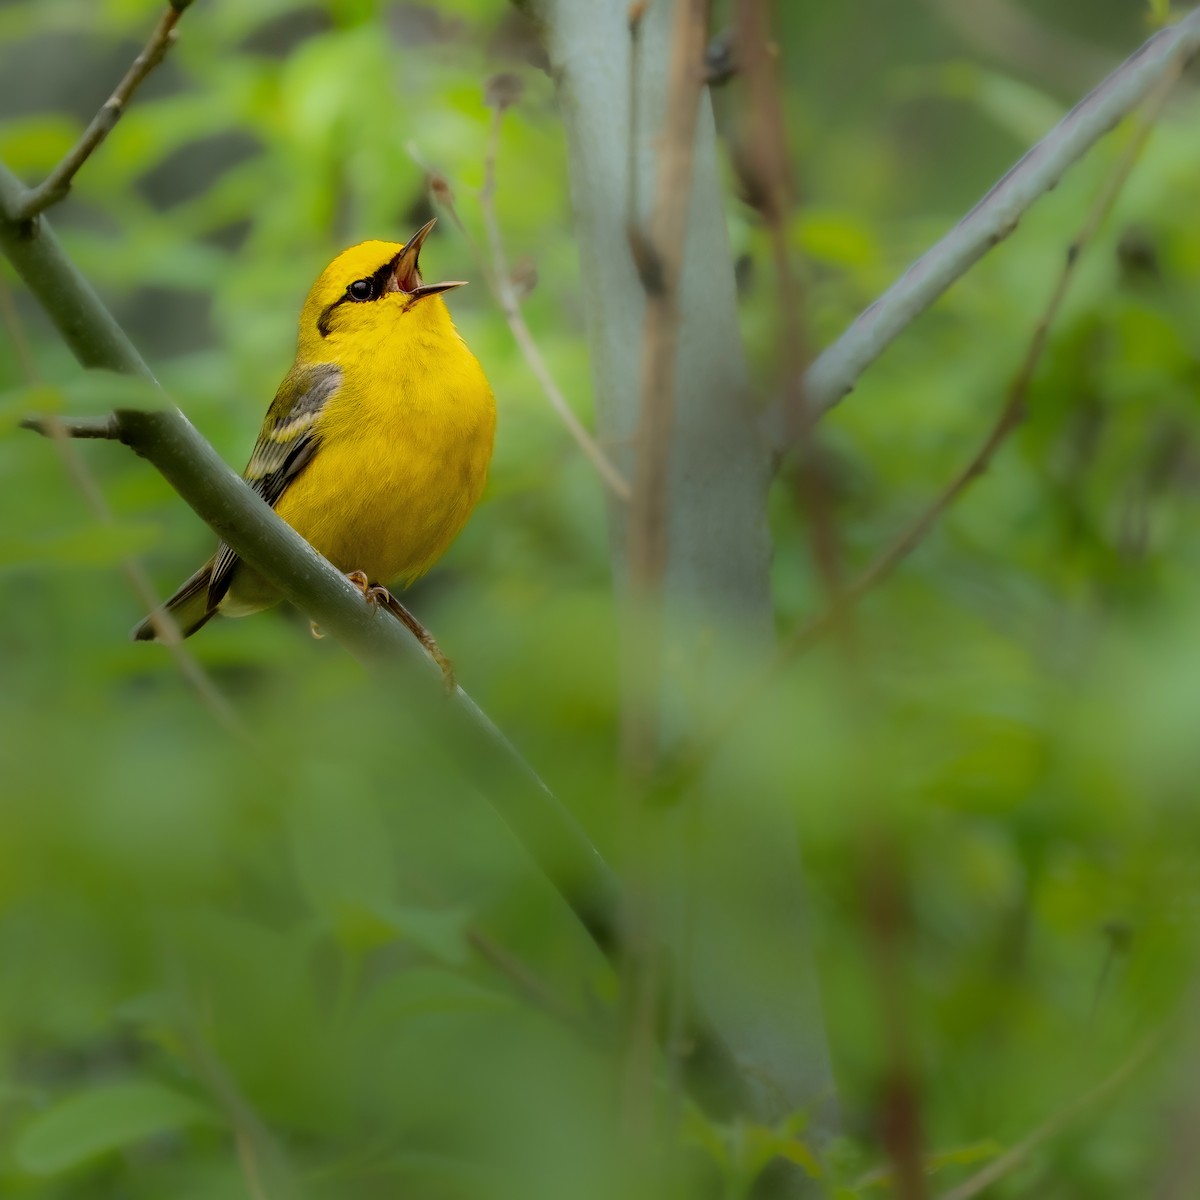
(378, 596)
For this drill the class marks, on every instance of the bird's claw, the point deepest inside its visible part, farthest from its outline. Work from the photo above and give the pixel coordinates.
(379, 597)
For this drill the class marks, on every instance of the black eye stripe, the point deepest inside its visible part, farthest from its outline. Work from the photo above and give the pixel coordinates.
(383, 274)
(377, 281)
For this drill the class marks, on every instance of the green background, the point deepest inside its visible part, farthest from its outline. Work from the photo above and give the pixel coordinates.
(228, 966)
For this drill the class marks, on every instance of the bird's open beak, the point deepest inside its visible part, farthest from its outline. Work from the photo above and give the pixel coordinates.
(406, 277)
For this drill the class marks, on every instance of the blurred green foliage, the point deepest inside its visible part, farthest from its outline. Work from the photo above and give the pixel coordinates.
(271, 968)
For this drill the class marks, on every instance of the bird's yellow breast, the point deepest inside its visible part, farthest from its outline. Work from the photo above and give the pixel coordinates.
(404, 448)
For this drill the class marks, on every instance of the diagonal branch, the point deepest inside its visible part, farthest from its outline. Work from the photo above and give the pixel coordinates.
(58, 183)
(546, 830)
(837, 370)
(239, 517)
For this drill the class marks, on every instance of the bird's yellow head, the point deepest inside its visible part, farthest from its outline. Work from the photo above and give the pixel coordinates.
(370, 291)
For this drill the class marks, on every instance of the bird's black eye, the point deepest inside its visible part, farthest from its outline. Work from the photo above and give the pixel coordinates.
(361, 289)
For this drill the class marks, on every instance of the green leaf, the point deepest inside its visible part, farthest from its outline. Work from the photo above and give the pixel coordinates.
(89, 1124)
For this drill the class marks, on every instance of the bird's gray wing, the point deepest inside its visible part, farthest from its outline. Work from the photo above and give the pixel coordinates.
(286, 444)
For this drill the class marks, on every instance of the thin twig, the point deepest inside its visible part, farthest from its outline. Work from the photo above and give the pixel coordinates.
(58, 183)
(498, 278)
(814, 629)
(836, 371)
(1054, 1125)
(248, 1161)
(664, 239)
(101, 429)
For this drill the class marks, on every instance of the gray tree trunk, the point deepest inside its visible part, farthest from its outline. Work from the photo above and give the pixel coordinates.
(748, 959)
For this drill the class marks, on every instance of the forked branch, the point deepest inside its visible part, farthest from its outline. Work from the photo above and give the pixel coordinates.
(835, 372)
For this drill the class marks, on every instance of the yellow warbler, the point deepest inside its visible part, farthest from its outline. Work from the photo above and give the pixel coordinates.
(376, 446)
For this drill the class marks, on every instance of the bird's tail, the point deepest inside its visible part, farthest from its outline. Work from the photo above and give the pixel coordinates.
(188, 607)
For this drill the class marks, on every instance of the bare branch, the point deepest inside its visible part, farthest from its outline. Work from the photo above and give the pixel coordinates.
(266, 1169)
(716, 579)
(58, 183)
(524, 979)
(836, 371)
(104, 428)
(883, 883)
